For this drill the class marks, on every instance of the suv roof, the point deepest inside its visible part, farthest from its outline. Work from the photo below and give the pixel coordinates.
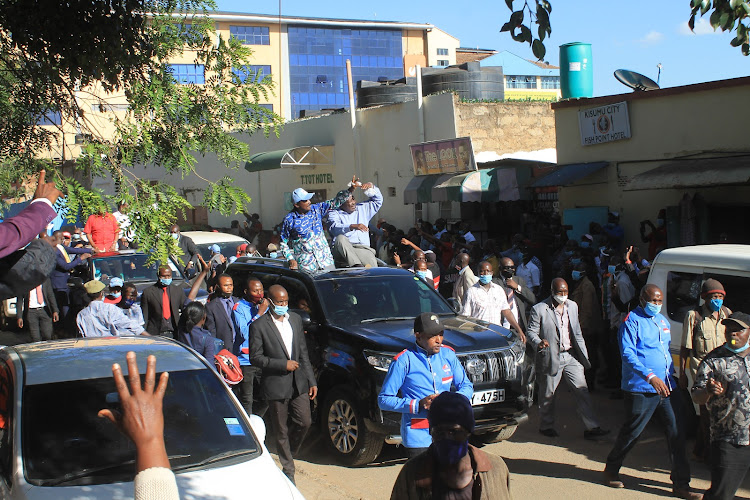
(729, 257)
(347, 272)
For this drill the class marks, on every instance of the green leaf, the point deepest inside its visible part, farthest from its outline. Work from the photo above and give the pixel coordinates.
(705, 6)
(691, 23)
(509, 3)
(538, 49)
(715, 19)
(516, 18)
(725, 19)
(526, 34)
(746, 6)
(542, 33)
(745, 49)
(735, 3)
(506, 27)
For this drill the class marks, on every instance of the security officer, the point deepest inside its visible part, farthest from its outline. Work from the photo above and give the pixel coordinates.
(420, 373)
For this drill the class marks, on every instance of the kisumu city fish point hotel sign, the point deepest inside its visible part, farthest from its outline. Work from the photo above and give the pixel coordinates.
(604, 124)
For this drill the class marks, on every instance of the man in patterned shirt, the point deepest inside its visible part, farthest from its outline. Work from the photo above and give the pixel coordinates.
(723, 385)
(303, 241)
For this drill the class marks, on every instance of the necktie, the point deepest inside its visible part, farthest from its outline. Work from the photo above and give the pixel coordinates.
(39, 297)
(166, 311)
(64, 253)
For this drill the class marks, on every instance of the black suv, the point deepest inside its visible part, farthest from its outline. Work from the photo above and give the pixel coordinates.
(358, 319)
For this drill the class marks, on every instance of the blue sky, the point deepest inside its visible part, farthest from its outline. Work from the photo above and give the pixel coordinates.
(635, 35)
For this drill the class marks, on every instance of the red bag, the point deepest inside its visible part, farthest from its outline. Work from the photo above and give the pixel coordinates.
(228, 367)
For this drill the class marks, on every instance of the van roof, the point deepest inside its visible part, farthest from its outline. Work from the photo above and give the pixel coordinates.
(729, 257)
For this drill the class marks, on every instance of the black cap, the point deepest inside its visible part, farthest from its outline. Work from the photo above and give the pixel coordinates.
(738, 318)
(451, 408)
(428, 324)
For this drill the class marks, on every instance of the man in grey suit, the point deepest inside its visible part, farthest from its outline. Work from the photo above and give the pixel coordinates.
(555, 332)
(277, 346)
(465, 280)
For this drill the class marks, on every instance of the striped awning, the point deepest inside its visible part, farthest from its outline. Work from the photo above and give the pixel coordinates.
(420, 188)
(488, 185)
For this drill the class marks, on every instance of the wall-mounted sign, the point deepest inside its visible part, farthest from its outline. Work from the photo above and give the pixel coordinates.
(453, 156)
(310, 179)
(604, 124)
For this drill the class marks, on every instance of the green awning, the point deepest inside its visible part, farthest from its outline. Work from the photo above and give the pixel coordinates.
(301, 156)
(487, 185)
(420, 188)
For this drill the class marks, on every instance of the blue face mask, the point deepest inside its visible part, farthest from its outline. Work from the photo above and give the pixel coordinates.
(737, 350)
(659, 222)
(585, 244)
(575, 261)
(165, 281)
(568, 252)
(175, 236)
(280, 310)
(422, 274)
(652, 309)
(450, 452)
(485, 278)
(576, 275)
(611, 269)
(115, 295)
(273, 255)
(715, 304)
(129, 302)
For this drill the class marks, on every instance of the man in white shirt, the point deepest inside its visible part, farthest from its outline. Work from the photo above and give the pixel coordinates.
(463, 230)
(529, 272)
(487, 301)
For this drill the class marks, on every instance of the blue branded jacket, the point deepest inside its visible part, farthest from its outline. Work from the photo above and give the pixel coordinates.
(644, 345)
(412, 376)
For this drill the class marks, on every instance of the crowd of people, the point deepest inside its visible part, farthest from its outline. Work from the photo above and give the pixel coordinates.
(582, 307)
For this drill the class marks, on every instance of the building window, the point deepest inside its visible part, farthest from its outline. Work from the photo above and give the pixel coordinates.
(443, 62)
(442, 52)
(256, 73)
(251, 35)
(550, 82)
(188, 73)
(50, 118)
(520, 82)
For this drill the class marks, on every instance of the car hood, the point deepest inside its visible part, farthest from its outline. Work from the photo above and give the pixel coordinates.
(462, 333)
(222, 483)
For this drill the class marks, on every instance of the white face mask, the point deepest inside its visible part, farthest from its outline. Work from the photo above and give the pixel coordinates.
(560, 298)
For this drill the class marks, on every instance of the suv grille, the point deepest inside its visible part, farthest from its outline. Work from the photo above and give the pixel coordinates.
(498, 365)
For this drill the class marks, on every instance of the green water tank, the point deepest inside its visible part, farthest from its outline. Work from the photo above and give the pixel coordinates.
(576, 70)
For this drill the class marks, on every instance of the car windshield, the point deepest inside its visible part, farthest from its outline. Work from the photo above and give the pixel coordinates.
(364, 299)
(228, 248)
(65, 443)
(129, 267)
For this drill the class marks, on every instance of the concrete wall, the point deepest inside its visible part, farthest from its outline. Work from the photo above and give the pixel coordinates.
(505, 127)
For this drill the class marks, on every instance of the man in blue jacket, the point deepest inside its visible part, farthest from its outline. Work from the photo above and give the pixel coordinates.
(420, 373)
(648, 382)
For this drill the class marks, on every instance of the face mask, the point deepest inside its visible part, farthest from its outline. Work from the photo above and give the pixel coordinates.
(450, 452)
(611, 269)
(716, 304)
(225, 295)
(652, 309)
(576, 275)
(279, 310)
(422, 274)
(560, 298)
(115, 295)
(575, 261)
(129, 302)
(485, 278)
(737, 350)
(175, 236)
(660, 222)
(165, 281)
(568, 252)
(507, 274)
(273, 255)
(585, 244)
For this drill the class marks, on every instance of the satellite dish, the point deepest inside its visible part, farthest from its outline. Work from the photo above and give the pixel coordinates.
(635, 81)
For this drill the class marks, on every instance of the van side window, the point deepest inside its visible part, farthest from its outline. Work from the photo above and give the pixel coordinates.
(683, 291)
(738, 290)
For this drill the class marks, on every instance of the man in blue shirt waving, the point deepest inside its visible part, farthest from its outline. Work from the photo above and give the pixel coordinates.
(416, 376)
(648, 385)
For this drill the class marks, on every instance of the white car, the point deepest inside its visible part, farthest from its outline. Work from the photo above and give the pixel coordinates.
(54, 447)
(204, 239)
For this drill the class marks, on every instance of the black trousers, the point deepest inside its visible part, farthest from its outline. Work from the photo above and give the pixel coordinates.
(249, 386)
(39, 323)
(729, 464)
(290, 419)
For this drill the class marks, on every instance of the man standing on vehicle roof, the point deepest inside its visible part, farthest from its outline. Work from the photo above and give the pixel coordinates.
(349, 226)
(648, 385)
(416, 376)
(487, 301)
(303, 243)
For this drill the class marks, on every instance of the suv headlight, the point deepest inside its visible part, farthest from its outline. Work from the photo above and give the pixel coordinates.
(517, 347)
(379, 360)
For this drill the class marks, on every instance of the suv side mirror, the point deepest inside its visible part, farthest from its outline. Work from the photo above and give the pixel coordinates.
(307, 322)
(454, 304)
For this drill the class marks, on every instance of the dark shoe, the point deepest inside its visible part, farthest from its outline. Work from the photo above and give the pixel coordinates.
(595, 433)
(552, 433)
(686, 493)
(612, 479)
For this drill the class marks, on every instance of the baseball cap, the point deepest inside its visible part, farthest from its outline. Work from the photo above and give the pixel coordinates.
(93, 286)
(66, 235)
(428, 323)
(738, 318)
(300, 194)
(115, 282)
(215, 248)
(451, 408)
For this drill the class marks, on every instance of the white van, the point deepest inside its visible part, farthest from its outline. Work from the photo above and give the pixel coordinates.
(228, 243)
(680, 272)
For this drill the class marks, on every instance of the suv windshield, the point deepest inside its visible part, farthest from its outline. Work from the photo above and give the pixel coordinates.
(65, 443)
(129, 267)
(354, 300)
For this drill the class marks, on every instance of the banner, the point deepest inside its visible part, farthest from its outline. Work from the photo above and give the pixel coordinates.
(453, 156)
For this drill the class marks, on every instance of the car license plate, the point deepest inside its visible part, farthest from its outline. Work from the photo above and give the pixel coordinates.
(487, 397)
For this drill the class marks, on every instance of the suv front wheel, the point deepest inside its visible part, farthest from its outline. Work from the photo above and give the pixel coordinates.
(347, 432)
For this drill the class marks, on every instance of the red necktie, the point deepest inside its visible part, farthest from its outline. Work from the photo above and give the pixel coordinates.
(39, 297)
(166, 311)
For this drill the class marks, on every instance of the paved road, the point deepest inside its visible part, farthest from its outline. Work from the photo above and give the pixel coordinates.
(567, 467)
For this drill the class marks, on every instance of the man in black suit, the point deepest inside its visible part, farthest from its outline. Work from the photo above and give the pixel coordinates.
(277, 346)
(38, 310)
(520, 296)
(219, 314)
(161, 304)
